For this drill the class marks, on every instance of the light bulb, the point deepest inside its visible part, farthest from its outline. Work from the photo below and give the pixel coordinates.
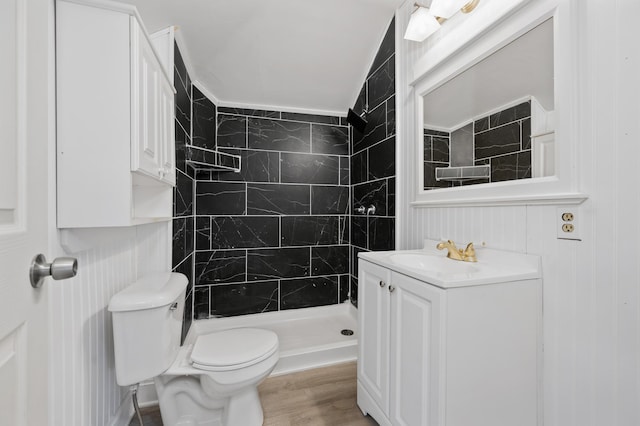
(421, 25)
(446, 8)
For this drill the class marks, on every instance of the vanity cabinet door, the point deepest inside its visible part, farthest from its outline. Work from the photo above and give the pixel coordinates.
(167, 141)
(416, 381)
(146, 132)
(373, 348)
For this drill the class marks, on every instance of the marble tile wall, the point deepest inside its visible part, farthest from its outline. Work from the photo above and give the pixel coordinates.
(436, 154)
(502, 140)
(274, 236)
(373, 160)
(183, 196)
(280, 234)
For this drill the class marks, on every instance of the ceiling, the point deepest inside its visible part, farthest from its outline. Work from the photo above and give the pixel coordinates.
(522, 68)
(285, 54)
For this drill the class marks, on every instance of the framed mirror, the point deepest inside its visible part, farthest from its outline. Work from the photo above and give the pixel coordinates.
(494, 120)
(504, 129)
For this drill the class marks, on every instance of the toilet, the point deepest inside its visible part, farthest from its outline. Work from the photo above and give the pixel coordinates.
(212, 381)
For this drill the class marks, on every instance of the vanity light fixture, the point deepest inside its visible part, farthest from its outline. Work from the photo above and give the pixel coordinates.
(424, 21)
(447, 8)
(421, 24)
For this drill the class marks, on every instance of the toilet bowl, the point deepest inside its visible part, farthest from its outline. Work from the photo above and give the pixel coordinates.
(211, 382)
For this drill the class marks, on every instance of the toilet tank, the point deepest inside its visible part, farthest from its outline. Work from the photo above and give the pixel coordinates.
(147, 324)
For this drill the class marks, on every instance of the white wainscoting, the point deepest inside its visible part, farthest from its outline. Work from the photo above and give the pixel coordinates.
(591, 287)
(83, 384)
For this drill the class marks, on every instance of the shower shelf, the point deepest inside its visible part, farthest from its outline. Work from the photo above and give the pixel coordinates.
(463, 172)
(211, 160)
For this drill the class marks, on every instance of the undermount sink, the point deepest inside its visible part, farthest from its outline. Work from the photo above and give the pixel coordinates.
(433, 266)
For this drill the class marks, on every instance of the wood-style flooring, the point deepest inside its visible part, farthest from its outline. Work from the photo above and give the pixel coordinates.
(319, 397)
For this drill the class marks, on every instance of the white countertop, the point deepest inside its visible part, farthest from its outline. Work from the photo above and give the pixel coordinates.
(432, 266)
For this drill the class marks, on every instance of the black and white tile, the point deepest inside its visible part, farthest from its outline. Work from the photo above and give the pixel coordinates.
(501, 140)
(309, 230)
(243, 298)
(308, 292)
(283, 217)
(279, 135)
(276, 263)
(281, 233)
(278, 199)
(373, 163)
(183, 245)
(204, 121)
(309, 168)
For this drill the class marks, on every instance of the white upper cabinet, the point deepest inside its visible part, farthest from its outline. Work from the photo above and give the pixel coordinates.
(152, 147)
(167, 133)
(115, 119)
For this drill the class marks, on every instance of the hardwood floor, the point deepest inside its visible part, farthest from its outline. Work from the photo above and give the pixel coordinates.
(319, 397)
(324, 396)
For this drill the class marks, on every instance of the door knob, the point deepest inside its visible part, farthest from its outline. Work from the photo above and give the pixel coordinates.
(60, 269)
(391, 289)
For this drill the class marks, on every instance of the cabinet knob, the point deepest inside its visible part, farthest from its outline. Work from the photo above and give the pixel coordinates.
(382, 284)
(391, 289)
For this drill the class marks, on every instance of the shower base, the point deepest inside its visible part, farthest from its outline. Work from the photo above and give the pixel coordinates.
(309, 337)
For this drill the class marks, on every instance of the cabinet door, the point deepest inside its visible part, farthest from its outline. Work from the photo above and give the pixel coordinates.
(373, 349)
(145, 130)
(416, 362)
(167, 137)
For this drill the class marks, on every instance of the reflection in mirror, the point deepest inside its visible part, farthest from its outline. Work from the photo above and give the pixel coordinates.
(494, 121)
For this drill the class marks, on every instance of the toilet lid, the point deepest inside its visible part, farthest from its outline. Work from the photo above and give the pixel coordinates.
(233, 349)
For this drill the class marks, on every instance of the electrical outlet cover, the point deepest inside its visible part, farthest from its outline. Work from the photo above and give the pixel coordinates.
(568, 229)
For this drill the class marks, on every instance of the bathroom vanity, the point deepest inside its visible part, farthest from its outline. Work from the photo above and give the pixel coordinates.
(445, 342)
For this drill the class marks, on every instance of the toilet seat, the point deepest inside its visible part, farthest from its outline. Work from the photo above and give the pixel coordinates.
(233, 349)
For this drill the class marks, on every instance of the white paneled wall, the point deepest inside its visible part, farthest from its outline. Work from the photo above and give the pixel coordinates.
(83, 384)
(591, 288)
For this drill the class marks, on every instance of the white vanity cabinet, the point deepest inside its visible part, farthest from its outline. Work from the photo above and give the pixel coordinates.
(459, 356)
(115, 119)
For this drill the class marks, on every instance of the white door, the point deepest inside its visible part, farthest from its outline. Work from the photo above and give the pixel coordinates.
(26, 122)
(416, 343)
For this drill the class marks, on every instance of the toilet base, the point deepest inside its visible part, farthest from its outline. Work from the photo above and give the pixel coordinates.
(244, 409)
(182, 402)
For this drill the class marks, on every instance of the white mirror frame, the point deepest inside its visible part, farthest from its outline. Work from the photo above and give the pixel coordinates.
(431, 73)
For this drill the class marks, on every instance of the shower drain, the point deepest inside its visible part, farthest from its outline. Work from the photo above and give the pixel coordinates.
(346, 332)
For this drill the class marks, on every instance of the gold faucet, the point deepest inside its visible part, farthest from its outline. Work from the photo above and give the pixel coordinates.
(466, 255)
